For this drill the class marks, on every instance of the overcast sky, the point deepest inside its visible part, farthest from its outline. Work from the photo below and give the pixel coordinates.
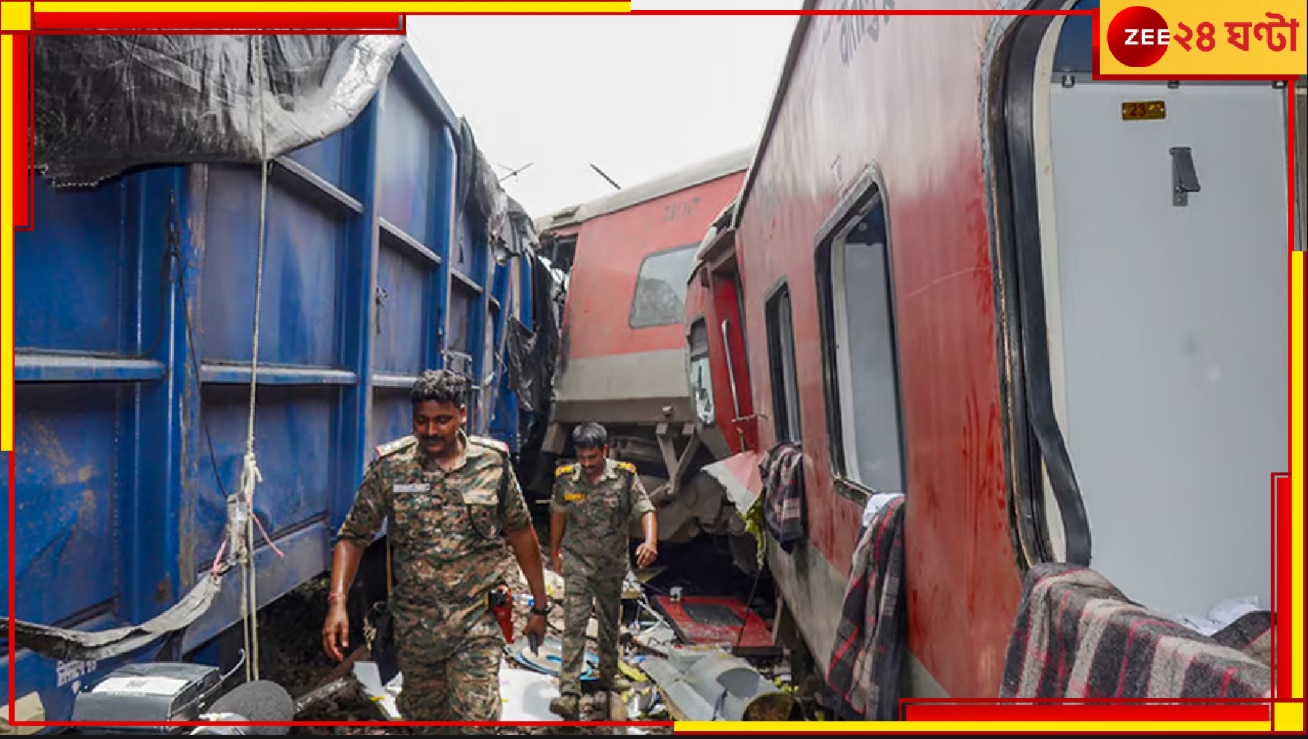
(637, 96)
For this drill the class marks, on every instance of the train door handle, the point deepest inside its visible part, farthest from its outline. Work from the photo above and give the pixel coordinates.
(1184, 178)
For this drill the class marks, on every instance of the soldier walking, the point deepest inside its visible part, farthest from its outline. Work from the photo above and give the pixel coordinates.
(593, 504)
(452, 501)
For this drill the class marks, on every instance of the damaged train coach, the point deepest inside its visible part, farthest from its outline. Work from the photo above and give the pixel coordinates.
(152, 453)
(622, 358)
(1008, 322)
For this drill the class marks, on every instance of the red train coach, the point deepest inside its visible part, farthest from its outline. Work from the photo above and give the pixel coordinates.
(622, 359)
(1048, 310)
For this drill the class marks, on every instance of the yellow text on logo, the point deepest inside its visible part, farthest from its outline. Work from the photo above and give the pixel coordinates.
(1216, 38)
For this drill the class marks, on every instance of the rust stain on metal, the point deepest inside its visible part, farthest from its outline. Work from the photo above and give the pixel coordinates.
(87, 510)
(48, 445)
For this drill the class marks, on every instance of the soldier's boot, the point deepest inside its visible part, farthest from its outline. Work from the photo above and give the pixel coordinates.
(615, 684)
(565, 706)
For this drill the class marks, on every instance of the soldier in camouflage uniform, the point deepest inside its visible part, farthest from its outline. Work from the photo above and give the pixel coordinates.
(452, 502)
(594, 501)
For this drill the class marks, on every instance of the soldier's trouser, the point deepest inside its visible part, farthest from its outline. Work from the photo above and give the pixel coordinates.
(580, 592)
(463, 687)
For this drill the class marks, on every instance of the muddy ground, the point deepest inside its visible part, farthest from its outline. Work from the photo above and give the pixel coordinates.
(292, 655)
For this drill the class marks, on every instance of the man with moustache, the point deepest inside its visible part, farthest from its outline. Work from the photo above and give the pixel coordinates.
(452, 501)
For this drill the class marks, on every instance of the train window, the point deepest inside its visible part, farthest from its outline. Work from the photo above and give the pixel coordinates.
(781, 363)
(701, 382)
(858, 342)
(660, 295)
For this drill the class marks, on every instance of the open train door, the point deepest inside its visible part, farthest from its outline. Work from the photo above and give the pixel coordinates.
(1145, 254)
(722, 388)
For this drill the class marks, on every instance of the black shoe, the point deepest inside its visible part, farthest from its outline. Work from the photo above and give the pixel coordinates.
(565, 706)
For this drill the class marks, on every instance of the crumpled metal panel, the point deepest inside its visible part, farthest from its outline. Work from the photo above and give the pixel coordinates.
(711, 685)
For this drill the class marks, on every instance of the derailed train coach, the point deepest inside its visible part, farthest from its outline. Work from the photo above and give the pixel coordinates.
(1032, 322)
(151, 451)
(622, 358)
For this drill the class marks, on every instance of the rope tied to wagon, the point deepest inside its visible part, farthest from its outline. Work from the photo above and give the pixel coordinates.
(242, 518)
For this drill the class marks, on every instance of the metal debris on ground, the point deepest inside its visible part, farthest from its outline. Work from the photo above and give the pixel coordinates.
(711, 685)
(329, 691)
(650, 630)
(717, 621)
(645, 702)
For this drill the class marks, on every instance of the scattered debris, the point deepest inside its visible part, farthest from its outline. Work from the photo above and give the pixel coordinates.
(645, 702)
(630, 672)
(382, 695)
(711, 685)
(656, 638)
(719, 688)
(718, 621)
(345, 701)
(549, 658)
(526, 694)
(325, 694)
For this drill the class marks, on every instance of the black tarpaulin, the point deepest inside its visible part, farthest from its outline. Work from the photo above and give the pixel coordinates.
(105, 104)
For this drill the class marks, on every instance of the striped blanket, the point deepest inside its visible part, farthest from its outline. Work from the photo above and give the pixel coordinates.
(782, 472)
(1077, 636)
(863, 677)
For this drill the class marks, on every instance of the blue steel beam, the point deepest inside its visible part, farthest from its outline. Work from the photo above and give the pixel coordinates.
(237, 374)
(310, 182)
(417, 247)
(443, 236)
(80, 368)
(360, 283)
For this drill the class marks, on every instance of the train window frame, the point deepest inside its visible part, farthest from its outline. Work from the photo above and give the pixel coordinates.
(867, 194)
(679, 283)
(693, 353)
(786, 416)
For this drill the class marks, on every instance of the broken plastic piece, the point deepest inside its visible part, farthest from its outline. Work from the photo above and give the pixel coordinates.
(548, 659)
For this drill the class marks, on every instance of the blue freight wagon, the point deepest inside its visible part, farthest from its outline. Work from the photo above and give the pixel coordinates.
(134, 325)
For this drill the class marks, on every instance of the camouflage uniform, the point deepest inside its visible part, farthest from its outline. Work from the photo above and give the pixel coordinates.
(448, 554)
(595, 542)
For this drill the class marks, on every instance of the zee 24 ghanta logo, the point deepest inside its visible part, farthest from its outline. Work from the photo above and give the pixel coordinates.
(1139, 36)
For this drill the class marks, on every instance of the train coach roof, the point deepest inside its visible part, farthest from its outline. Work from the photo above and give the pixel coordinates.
(723, 223)
(681, 179)
(774, 110)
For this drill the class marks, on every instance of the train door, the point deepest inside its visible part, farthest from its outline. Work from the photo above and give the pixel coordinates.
(727, 305)
(1154, 258)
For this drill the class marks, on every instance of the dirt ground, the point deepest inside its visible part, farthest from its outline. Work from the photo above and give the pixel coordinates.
(292, 656)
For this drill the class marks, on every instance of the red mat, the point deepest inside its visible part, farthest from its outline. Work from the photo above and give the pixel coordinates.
(715, 621)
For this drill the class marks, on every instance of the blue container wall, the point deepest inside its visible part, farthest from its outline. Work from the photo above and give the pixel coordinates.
(97, 415)
(418, 165)
(134, 317)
